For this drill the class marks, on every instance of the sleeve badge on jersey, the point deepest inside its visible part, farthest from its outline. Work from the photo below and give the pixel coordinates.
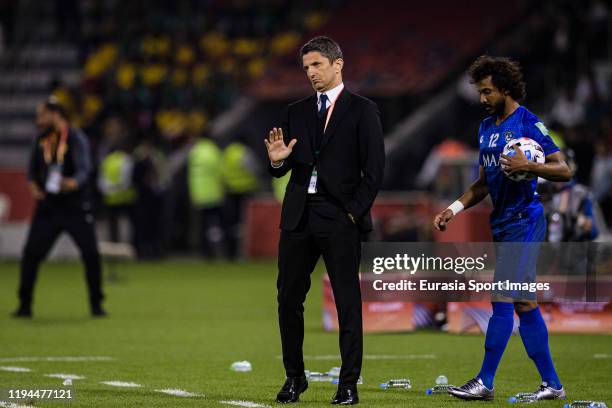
(542, 128)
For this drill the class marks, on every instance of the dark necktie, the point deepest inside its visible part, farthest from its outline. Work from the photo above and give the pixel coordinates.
(321, 116)
(323, 108)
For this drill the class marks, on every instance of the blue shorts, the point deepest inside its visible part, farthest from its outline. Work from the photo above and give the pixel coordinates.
(517, 246)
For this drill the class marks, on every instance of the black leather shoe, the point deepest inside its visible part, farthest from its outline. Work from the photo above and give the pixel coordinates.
(98, 311)
(346, 396)
(291, 390)
(22, 313)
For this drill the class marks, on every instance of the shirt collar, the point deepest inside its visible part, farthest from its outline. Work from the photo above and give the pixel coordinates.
(332, 94)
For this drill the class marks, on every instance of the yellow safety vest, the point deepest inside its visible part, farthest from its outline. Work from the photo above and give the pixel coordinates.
(279, 185)
(113, 172)
(204, 174)
(238, 178)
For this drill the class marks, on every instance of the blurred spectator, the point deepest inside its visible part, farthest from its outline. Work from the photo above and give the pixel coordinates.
(240, 169)
(567, 109)
(601, 176)
(569, 208)
(411, 226)
(206, 190)
(437, 172)
(116, 185)
(150, 184)
(279, 185)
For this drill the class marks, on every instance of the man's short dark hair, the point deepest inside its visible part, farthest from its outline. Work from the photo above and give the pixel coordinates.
(325, 45)
(505, 74)
(52, 104)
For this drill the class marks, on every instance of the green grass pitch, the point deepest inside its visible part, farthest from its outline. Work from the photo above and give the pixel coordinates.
(180, 324)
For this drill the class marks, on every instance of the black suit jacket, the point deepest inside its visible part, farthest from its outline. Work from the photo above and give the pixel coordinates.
(351, 157)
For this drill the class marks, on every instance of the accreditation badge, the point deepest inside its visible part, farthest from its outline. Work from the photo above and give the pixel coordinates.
(312, 186)
(54, 179)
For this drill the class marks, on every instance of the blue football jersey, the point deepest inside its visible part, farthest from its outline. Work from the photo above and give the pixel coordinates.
(511, 199)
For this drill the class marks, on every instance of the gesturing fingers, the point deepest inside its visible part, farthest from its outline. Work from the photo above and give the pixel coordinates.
(276, 134)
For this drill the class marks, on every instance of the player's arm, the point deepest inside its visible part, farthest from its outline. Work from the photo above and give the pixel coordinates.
(475, 194)
(553, 169)
(36, 190)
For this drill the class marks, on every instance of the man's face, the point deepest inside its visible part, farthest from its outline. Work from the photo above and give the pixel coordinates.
(322, 74)
(44, 118)
(491, 98)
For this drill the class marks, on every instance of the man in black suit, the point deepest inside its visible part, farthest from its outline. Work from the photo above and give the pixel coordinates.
(59, 174)
(336, 157)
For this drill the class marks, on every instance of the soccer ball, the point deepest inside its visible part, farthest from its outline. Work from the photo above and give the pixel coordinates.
(533, 152)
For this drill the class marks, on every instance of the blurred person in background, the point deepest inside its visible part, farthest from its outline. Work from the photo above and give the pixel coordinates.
(115, 181)
(59, 170)
(568, 207)
(601, 173)
(240, 170)
(441, 170)
(205, 180)
(150, 183)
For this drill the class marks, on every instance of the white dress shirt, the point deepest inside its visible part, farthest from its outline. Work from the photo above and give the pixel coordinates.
(332, 95)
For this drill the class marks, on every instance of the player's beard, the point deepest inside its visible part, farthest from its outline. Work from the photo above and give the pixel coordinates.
(496, 109)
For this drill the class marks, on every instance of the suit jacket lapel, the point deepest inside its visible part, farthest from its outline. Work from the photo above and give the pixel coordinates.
(340, 108)
(311, 121)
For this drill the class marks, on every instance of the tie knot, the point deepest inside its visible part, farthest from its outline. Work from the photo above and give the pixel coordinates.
(323, 100)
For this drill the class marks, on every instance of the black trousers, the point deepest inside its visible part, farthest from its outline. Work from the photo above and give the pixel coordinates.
(212, 237)
(325, 230)
(233, 210)
(49, 221)
(115, 212)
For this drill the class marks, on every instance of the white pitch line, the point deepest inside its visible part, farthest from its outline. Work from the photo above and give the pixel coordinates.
(602, 355)
(373, 357)
(249, 404)
(4, 404)
(121, 384)
(15, 369)
(65, 376)
(179, 393)
(68, 359)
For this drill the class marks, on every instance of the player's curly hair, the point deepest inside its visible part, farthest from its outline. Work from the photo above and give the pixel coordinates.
(505, 74)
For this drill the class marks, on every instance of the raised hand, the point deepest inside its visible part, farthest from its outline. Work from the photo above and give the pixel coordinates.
(277, 150)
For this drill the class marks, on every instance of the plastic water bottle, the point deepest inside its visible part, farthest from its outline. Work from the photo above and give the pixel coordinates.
(441, 380)
(241, 366)
(523, 397)
(337, 380)
(316, 376)
(438, 389)
(586, 404)
(334, 372)
(402, 383)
